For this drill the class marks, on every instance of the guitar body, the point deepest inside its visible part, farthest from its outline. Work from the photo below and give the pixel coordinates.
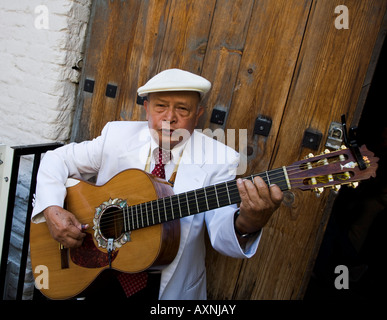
(70, 271)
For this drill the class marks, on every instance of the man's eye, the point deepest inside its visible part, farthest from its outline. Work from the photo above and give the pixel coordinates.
(183, 111)
(160, 107)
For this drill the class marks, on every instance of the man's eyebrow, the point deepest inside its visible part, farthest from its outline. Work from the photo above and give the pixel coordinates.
(184, 104)
(160, 100)
(178, 103)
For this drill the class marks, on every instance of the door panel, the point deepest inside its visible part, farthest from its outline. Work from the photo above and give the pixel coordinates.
(284, 60)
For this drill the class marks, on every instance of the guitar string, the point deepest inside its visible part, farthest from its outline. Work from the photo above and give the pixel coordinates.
(170, 207)
(291, 170)
(142, 215)
(272, 177)
(200, 196)
(222, 196)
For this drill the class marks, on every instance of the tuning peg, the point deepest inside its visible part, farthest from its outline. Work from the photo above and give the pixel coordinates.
(336, 188)
(326, 151)
(318, 191)
(354, 184)
(310, 155)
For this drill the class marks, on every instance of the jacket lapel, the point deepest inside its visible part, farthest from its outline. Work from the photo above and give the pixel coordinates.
(136, 150)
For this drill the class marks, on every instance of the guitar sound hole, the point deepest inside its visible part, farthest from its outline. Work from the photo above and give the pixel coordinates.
(111, 224)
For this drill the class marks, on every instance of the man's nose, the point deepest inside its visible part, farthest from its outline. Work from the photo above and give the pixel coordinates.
(170, 115)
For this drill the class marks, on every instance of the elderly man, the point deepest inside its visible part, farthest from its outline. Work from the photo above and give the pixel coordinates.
(173, 110)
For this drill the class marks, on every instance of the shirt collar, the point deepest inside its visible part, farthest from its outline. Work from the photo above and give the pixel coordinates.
(176, 151)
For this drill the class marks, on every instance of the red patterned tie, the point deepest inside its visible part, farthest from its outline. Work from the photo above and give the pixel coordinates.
(134, 282)
(161, 159)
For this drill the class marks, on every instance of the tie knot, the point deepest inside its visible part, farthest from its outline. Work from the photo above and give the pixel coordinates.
(162, 156)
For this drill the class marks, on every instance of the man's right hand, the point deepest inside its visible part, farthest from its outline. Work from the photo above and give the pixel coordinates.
(64, 226)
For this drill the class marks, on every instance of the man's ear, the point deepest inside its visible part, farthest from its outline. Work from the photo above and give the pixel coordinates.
(199, 114)
(146, 106)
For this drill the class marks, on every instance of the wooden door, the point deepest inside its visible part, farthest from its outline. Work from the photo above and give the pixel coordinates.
(286, 60)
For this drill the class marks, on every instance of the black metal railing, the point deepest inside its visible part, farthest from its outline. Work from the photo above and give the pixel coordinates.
(36, 151)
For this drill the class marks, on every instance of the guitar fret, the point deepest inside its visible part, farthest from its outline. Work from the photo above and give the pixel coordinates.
(216, 196)
(285, 172)
(234, 193)
(137, 217)
(212, 197)
(128, 215)
(264, 176)
(191, 202)
(202, 199)
(189, 211)
(131, 210)
(178, 201)
(267, 177)
(146, 212)
(205, 195)
(142, 221)
(279, 178)
(158, 210)
(196, 199)
(165, 210)
(221, 194)
(228, 193)
(173, 214)
(185, 206)
(153, 216)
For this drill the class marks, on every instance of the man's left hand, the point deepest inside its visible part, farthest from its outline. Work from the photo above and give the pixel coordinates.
(258, 202)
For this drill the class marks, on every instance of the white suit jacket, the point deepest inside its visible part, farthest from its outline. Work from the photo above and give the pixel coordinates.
(124, 145)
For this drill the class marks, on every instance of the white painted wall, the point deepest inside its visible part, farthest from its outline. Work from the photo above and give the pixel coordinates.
(37, 82)
(40, 42)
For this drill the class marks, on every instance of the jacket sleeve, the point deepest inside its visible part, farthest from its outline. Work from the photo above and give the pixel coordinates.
(75, 160)
(220, 222)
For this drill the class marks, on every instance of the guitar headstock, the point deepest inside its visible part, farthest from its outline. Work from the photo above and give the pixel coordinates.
(331, 169)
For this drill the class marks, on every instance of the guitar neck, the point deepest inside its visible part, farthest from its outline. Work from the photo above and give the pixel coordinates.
(193, 202)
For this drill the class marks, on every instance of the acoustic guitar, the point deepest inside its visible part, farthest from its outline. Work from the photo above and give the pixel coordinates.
(134, 218)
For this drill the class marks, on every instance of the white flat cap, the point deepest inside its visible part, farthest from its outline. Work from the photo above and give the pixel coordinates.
(175, 80)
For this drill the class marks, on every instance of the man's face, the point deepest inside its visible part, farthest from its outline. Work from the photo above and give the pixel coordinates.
(168, 113)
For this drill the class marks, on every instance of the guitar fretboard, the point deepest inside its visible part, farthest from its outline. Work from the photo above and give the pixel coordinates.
(193, 202)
